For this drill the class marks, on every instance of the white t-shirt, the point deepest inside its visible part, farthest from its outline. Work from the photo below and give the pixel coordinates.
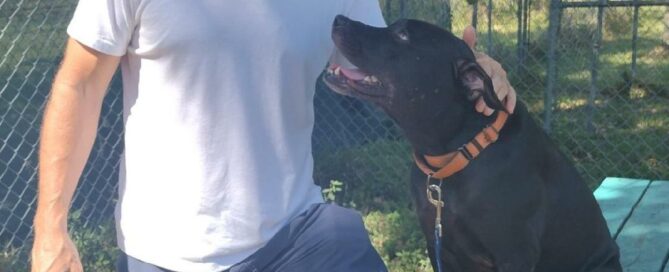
(218, 114)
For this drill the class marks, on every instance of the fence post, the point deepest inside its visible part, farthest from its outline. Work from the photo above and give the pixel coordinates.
(553, 24)
(519, 32)
(489, 27)
(594, 63)
(523, 31)
(635, 38)
(475, 14)
(526, 33)
(403, 13)
(388, 7)
(447, 16)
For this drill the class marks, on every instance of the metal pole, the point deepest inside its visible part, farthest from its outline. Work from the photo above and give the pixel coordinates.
(635, 38)
(553, 24)
(519, 34)
(403, 13)
(447, 17)
(594, 63)
(489, 49)
(526, 29)
(388, 7)
(475, 13)
(528, 24)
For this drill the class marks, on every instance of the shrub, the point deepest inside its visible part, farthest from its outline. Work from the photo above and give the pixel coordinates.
(96, 244)
(8, 260)
(397, 237)
(371, 179)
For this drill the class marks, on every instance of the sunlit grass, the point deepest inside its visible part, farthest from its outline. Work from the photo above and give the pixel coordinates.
(571, 103)
(654, 123)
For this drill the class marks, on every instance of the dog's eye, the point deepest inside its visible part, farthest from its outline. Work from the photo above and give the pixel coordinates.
(402, 35)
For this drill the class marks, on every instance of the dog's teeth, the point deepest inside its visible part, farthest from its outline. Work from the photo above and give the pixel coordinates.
(330, 71)
(367, 79)
(337, 71)
(373, 79)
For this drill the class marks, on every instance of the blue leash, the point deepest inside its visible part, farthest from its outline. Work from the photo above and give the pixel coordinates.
(437, 247)
(438, 204)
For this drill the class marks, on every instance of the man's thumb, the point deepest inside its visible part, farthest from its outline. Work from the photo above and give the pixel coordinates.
(469, 36)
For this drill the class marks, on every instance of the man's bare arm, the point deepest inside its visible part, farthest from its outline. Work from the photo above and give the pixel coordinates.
(68, 132)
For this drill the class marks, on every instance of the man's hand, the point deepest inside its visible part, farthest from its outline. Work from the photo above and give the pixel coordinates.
(55, 252)
(500, 83)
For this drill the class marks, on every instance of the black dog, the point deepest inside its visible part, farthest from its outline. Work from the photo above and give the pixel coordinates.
(520, 205)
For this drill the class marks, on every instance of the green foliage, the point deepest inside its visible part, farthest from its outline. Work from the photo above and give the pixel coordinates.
(374, 175)
(398, 239)
(375, 182)
(8, 259)
(96, 244)
(330, 193)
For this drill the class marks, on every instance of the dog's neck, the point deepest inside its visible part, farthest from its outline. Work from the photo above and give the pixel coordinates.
(458, 129)
(472, 122)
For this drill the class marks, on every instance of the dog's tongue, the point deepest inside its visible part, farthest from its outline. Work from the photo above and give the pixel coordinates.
(354, 74)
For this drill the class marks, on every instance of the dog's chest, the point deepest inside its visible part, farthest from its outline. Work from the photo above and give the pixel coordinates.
(463, 249)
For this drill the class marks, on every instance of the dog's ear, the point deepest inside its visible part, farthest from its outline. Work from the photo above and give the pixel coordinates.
(477, 83)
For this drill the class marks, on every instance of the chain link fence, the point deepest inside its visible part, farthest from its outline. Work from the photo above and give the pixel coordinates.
(594, 74)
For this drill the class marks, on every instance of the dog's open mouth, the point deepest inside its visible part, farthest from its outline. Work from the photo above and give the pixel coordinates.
(353, 82)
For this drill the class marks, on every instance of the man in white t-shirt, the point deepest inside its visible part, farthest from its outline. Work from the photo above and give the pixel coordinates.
(218, 114)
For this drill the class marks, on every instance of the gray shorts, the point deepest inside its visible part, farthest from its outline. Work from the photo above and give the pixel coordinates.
(324, 238)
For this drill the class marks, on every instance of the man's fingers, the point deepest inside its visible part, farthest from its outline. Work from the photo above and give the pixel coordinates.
(75, 261)
(469, 36)
(55, 253)
(501, 86)
(480, 105)
(488, 64)
(488, 111)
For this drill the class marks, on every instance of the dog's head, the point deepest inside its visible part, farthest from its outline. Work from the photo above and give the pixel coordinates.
(418, 73)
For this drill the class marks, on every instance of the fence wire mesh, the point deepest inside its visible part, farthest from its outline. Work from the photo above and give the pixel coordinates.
(610, 116)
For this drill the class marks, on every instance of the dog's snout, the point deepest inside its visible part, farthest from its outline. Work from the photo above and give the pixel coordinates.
(340, 21)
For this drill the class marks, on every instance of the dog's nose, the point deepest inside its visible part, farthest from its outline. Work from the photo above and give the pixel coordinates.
(340, 21)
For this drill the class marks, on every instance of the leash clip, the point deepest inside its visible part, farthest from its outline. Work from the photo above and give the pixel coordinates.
(438, 203)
